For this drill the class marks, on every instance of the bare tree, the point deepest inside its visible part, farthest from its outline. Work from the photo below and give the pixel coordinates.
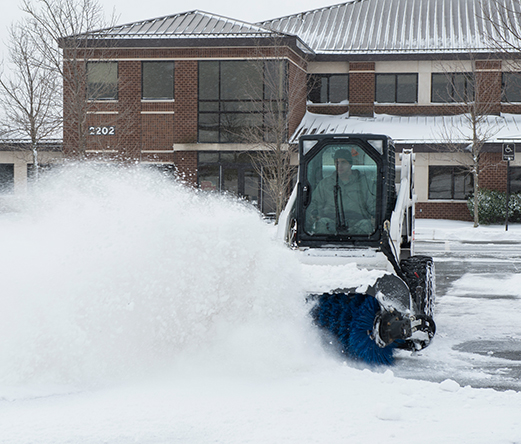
(504, 31)
(475, 96)
(28, 93)
(281, 102)
(63, 33)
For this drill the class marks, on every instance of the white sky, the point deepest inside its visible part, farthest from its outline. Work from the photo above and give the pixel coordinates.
(135, 10)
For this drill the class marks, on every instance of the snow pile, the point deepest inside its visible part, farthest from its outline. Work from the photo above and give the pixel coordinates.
(117, 272)
(450, 230)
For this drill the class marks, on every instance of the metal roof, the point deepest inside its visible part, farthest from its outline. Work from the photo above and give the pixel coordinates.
(412, 129)
(192, 24)
(401, 26)
(354, 27)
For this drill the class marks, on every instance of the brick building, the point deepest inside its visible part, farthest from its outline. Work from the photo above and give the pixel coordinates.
(182, 91)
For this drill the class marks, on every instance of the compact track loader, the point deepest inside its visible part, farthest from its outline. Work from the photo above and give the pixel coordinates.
(352, 204)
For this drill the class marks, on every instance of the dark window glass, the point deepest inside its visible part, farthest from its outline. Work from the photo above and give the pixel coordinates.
(275, 80)
(385, 88)
(452, 87)
(102, 80)
(406, 88)
(209, 177)
(241, 80)
(251, 186)
(396, 88)
(338, 88)
(511, 87)
(158, 80)
(237, 99)
(515, 179)
(208, 127)
(209, 81)
(209, 157)
(6, 178)
(328, 88)
(328, 212)
(230, 180)
(449, 182)
(233, 172)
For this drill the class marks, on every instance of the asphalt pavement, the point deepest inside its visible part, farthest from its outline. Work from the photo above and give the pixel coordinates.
(478, 340)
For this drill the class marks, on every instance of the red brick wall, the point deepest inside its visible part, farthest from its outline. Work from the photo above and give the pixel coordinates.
(129, 107)
(488, 86)
(328, 109)
(443, 210)
(297, 96)
(419, 110)
(186, 101)
(157, 132)
(186, 163)
(493, 175)
(361, 88)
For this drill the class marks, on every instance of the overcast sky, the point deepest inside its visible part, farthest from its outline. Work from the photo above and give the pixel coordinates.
(135, 10)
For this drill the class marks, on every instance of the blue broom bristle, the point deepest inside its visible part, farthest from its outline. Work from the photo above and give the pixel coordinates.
(361, 345)
(350, 318)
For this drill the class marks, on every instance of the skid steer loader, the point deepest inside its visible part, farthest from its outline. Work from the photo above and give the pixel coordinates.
(352, 204)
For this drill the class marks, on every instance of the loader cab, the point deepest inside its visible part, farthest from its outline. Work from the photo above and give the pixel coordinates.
(345, 190)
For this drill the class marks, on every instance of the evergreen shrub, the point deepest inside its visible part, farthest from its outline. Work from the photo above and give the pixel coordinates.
(492, 207)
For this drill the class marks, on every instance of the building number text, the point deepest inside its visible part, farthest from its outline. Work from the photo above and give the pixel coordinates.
(102, 130)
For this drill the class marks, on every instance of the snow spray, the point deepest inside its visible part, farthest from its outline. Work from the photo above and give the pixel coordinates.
(115, 272)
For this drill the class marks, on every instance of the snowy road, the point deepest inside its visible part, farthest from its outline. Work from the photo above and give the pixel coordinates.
(478, 342)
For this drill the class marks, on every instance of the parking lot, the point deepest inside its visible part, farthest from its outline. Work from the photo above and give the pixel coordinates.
(478, 340)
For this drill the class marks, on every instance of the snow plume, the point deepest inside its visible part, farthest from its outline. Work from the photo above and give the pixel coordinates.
(117, 272)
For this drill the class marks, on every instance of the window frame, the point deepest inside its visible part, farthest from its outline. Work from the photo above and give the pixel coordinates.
(7, 178)
(396, 76)
(92, 97)
(453, 95)
(515, 179)
(223, 163)
(253, 112)
(315, 82)
(504, 86)
(455, 172)
(151, 98)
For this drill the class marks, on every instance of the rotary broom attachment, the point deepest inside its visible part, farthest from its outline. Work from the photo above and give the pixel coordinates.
(369, 326)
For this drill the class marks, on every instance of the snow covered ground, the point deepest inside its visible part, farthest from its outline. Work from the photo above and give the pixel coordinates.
(135, 311)
(429, 229)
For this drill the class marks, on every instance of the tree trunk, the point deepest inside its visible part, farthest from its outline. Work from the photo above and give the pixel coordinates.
(476, 191)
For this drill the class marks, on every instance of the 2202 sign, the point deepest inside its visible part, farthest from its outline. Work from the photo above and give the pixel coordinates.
(102, 130)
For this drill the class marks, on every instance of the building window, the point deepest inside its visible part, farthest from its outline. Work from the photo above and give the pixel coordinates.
(157, 80)
(511, 87)
(102, 80)
(397, 88)
(515, 179)
(6, 178)
(240, 100)
(328, 88)
(450, 182)
(232, 172)
(452, 87)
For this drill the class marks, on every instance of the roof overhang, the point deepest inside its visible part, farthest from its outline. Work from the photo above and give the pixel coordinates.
(414, 130)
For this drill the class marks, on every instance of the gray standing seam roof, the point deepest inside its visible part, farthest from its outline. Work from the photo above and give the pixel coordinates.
(401, 26)
(354, 27)
(192, 24)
